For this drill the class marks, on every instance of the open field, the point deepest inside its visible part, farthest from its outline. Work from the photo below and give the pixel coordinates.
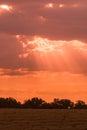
(39, 119)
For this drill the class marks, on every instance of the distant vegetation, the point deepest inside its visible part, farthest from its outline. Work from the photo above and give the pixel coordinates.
(39, 103)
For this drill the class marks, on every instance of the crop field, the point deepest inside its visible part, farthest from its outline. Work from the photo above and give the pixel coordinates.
(39, 119)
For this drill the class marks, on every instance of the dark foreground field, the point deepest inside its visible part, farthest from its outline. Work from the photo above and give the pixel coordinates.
(37, 119)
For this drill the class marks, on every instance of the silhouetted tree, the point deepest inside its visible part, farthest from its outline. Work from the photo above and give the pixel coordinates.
(34, 103)
(46, 105)
(2, 102)
(40, 103)
(66, 103)
(80, 104)
(12, 103)
(9, 103)
(55, 104)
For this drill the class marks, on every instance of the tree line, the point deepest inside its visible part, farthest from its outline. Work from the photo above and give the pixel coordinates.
(39, 103)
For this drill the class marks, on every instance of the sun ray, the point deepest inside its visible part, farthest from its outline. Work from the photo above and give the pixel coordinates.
(53, 54)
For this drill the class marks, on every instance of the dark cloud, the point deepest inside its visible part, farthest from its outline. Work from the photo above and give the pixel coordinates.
(59, 23)
(9, 52)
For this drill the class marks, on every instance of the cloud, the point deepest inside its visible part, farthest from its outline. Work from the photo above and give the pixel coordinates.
(61, 56)
(35, 36)
(32, 18)
(13, 72)
(20, 55)
(9, 52)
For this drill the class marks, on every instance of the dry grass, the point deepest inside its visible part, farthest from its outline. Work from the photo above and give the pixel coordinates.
(35, 119)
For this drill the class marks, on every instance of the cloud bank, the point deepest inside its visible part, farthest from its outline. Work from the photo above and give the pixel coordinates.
(43, 35)
(65, 20)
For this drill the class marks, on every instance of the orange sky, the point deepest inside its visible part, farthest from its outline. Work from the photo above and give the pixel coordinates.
(43, 49)
(46, 85)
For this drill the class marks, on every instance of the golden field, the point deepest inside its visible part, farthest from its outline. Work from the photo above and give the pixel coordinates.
(43, 119)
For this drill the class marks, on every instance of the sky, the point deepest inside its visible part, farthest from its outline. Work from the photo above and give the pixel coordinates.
(43, 49)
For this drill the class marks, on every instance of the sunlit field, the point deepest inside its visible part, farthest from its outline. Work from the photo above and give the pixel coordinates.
(39, 119)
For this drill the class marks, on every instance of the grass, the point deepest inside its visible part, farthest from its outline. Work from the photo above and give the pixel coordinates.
(39, 119)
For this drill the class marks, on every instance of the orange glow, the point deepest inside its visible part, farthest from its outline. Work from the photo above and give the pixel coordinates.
(43, 49)
(49, 5)
(61, 5)
(46, 85)
(5, 7)
(41, 19)
(75, 5)
(60, 78)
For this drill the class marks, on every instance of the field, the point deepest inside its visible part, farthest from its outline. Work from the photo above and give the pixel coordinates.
(39, 119)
